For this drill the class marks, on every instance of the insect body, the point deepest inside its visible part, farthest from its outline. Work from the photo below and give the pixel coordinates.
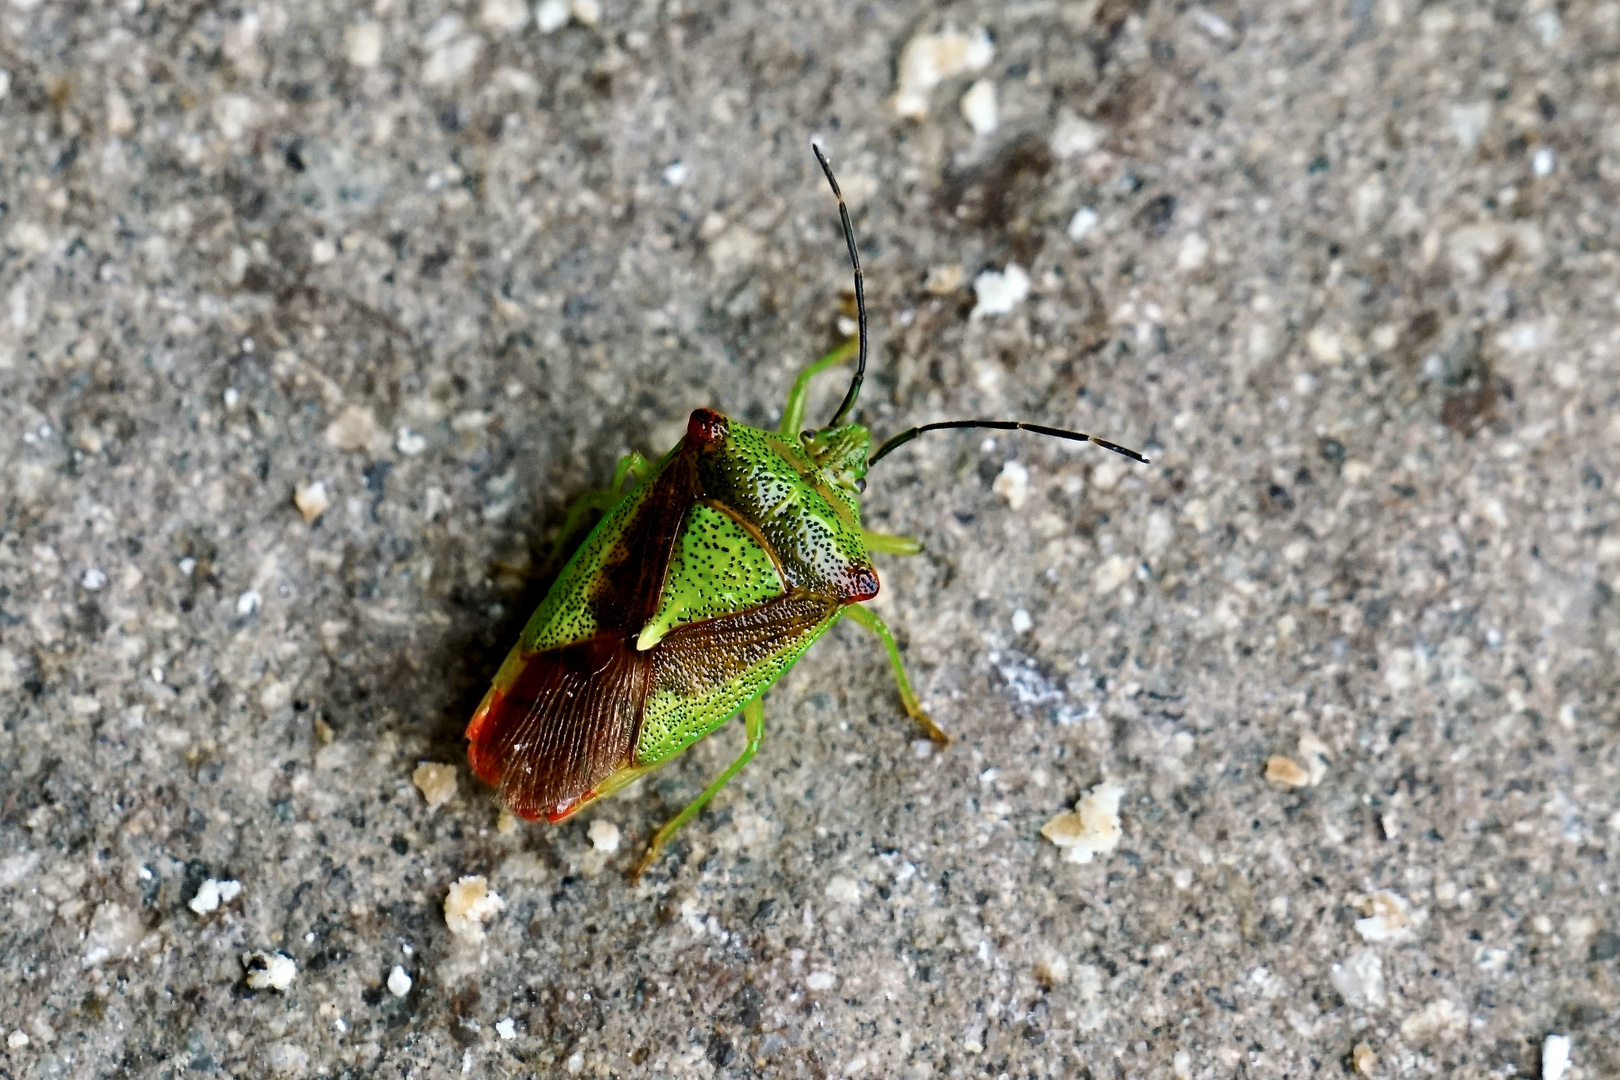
(701, 586)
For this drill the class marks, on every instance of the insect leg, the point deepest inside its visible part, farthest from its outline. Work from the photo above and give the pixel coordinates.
(596, 503)
(793, 411)
(754, 720)
(889, 544)
(632, 465)
(908, 696)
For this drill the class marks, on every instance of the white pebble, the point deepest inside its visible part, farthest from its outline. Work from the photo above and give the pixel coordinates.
(930, 59)
(1021, 622)
(93, 579)
(551, 15)
(1542, 162)
(842, 890)
(575, 1063)
(468, 905)
(821, 980)
(1012, 484)
(1554, 1057)
(311, 500)
(1194, 251)
(999, 292)
(409, 442)
(506, 1029)
(248, 602)
(270, 971)
(604, 836)
(979, 107)
(362, 44)
(1092, 829)
(17, 1039)
(1084, 220)
(587, 12)
(399, 981)
(212, 893)
(675, 173)
(322, 252)
(508, 16)
(1075, 135)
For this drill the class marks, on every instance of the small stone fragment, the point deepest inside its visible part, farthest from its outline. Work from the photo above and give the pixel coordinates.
(1092, 829)
(999, 291)
(311, 500)
(586, 12)
(930, 59)
(436, 782)
(944, 280)
(114, 931)
(1388, 918)
(399, 981)
(409, 442)
(979, 107)
(1012, 484)
(1286, 771)
(507, 16)
(269, 971)
(1080, 226)
(212, 893)
(17, 1040)
(354, 429)
(1073, 135)
(1052, 970)
(1363, 1060)
(1360, 979)
(604, 836)
(506, 1029)
(551, 15)
(821, 980)
(470, 904)
(362, 44)
(1554, 1057)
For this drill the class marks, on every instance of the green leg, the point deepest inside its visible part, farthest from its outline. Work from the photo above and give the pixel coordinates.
(793, 412)
(908, 696)
(889, 544)
(754, 719)
(632, 466)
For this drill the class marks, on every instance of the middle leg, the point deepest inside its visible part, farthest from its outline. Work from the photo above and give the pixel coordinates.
(908, 696)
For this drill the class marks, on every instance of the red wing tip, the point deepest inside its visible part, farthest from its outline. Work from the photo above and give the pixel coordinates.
(706, 426)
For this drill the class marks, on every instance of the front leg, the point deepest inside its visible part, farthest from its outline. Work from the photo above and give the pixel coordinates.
(631, 466)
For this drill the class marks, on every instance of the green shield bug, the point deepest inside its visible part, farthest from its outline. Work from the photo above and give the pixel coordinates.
(710, 573)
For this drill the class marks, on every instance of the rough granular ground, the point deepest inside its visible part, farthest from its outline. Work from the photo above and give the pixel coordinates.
(315, 317)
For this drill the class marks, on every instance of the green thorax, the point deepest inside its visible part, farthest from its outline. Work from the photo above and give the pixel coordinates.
(731, 518)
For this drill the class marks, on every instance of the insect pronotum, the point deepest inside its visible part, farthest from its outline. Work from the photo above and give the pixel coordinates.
(710, 573)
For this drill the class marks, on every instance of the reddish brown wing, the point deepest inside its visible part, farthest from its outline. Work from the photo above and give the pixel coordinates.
(560, 721)
(565, 724)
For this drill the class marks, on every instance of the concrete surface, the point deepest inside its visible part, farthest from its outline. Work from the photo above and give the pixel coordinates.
(1351, 283)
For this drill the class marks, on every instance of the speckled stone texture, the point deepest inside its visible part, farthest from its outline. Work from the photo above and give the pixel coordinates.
(1351, 284)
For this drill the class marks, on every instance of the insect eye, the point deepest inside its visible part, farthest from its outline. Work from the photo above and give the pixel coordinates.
(807, 435)
(860, 486)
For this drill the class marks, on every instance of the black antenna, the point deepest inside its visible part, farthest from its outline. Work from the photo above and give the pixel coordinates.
(897, 441)
(860, 291)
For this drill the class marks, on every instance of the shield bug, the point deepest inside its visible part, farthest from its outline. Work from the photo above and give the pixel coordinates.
(710, 573)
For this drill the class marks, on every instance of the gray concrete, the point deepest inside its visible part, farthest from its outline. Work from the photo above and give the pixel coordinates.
(1352, 285)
